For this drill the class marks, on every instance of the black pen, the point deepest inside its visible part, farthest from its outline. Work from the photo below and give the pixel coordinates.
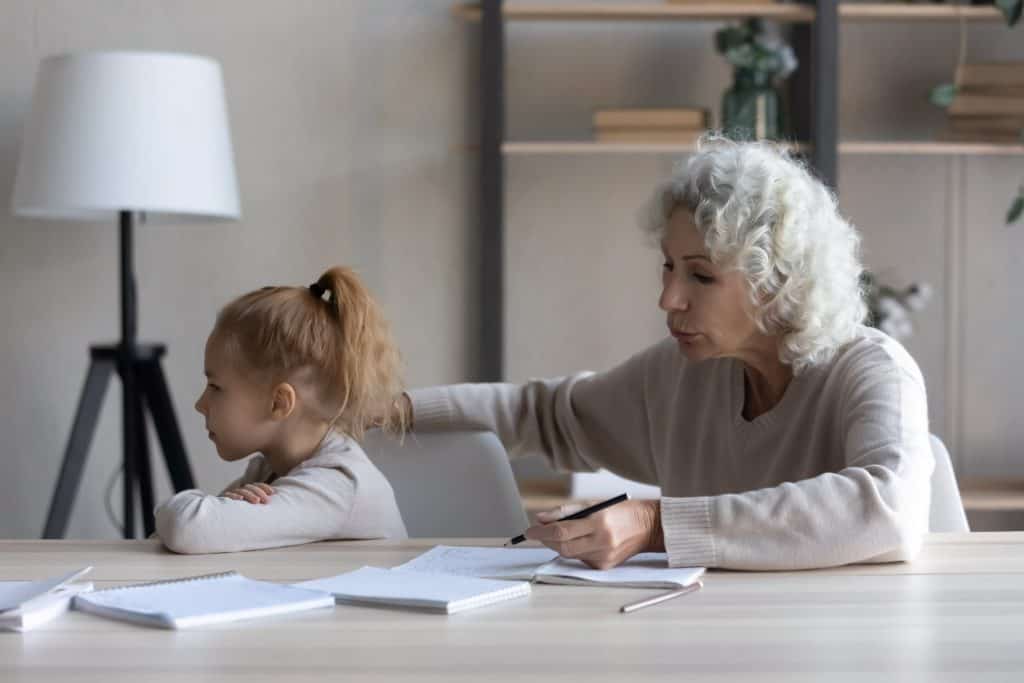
(585, 512)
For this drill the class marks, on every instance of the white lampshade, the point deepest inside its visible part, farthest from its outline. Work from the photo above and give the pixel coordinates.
(127, 131)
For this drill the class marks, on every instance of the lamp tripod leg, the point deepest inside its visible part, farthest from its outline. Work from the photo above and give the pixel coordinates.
(144, 472)
(158, 397)
(84, 427)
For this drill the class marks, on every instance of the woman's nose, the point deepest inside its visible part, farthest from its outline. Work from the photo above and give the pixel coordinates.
(673, 297)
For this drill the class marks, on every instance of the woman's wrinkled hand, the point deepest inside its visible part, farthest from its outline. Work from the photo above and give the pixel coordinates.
(605, 539)
(257, 493)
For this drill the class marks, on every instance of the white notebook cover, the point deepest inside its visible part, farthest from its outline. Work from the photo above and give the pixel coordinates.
(14, 594)
(646, 570)
(200, 600)
(493, 563)
(445, 593)
(42, 609)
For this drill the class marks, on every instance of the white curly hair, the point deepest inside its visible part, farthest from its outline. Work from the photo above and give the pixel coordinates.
(763, 213)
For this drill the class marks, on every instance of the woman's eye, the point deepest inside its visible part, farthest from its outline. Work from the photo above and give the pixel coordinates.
(703, 279)
(213, 387)
(667, 265)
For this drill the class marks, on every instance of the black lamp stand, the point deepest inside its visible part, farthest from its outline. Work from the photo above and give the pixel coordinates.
(144, 386)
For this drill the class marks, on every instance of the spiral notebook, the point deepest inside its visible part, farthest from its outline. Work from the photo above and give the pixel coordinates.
(433, 592)
(541, 565)
(200, 600)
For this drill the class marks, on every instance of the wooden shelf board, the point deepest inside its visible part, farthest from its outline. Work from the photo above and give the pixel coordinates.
(907, 12)
(592, 11)
(587, 147)
(992, 495)
(923, 147)
(930, 147)
(592, 147)
(712, 11)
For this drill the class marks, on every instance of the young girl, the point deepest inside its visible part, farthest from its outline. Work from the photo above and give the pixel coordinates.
(296, 374)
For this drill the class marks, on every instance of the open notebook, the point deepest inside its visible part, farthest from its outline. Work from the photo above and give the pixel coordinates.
(646, 570)
(430, 591)
(200, 600)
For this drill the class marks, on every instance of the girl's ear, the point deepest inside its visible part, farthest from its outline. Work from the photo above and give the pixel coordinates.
(284, 400)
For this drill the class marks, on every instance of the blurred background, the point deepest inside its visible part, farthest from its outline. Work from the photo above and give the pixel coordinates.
(356, 129)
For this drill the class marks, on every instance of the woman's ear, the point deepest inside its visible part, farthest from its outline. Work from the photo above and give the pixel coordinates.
(284, 399)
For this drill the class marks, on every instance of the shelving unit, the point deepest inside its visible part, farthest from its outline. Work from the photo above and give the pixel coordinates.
(814, 26)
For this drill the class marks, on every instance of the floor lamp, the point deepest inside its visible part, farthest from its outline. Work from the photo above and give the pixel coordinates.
(119, 134)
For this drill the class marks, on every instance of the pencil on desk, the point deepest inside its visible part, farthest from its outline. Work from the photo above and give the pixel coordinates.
(633, 606)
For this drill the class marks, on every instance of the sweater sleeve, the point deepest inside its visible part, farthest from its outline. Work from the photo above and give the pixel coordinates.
(875, 509)
(580, 423)
(310, 504)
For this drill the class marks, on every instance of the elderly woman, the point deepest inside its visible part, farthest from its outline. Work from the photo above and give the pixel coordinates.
(783, 433)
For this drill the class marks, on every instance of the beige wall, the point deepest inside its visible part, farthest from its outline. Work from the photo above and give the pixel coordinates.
(348, 120)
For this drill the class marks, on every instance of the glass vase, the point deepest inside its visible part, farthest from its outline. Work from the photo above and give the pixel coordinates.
(752, 108)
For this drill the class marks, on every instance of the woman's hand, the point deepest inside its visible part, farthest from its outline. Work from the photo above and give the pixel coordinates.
(605, 539)
(257, 493)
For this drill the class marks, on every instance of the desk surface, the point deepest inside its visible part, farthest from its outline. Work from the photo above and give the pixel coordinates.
(955, 614)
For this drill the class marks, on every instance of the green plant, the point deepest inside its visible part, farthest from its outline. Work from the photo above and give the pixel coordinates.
(752, 107)
(1011, 10)
(943, 95)
(889, 308)
(749, 49)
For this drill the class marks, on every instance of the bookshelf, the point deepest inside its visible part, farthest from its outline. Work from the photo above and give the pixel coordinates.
(813, 103)
(814, 28)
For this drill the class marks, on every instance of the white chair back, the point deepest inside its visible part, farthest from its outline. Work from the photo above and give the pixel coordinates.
(947, 510)
(450, 484)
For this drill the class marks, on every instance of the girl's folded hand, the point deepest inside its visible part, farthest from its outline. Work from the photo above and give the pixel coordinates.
(257, 493)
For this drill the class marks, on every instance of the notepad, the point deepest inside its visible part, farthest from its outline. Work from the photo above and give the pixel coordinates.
(200, 600)
(445, 593)
(14, 594)
(541, 565)
(39, 610)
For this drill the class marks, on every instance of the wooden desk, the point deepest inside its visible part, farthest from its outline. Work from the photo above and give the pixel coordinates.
(956, 614)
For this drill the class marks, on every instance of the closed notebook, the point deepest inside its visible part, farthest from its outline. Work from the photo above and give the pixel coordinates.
(39, 610)
(14, 594)
(430, 591)
(646, 570)
(200, 600)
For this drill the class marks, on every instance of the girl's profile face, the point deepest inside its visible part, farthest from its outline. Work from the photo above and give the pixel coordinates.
(237, 409)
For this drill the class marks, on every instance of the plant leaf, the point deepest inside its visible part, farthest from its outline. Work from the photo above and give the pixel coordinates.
(1016, 209)
(1011, 10)
(942, 95)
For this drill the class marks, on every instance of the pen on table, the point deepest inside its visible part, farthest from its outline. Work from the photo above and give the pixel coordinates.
(585, 512)
(633, 606)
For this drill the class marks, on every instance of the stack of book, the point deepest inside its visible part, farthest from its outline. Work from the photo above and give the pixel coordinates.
(682, 126)
(989, 103)
(722, 2)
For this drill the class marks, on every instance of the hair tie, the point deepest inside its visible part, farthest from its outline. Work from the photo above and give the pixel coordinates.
(317, 290)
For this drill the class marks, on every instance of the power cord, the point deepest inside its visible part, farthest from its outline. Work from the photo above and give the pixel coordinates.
(111, 515)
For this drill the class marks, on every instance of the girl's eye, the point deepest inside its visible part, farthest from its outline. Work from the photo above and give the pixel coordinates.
(703, 279)
(667, 265)
(213, 387)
